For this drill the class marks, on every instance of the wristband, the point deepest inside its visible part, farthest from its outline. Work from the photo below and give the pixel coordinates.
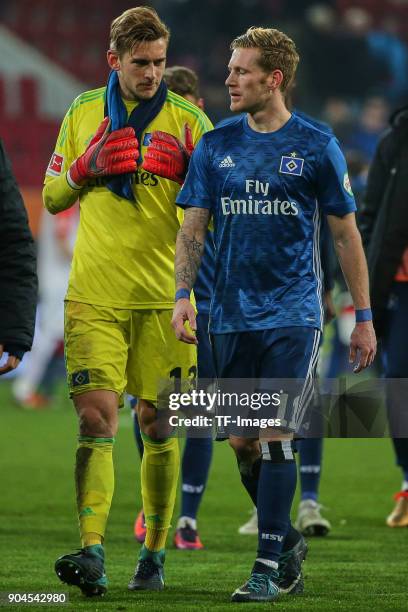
(182, 293)
(363, 314)
(71, 182)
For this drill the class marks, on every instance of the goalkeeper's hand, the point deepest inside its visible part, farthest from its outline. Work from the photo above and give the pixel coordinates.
(167, 156)
(107, 153)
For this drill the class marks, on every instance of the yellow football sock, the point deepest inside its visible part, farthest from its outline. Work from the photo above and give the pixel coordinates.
(90, 539)
(94, 481)
(159, 474)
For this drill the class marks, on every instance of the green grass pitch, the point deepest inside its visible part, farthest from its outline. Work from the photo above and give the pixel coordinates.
(362, 565)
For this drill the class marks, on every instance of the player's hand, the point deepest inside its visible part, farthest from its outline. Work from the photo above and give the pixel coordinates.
(11, 364)
(116, 152)
(363, 345)
(184, 311)
(167, 156)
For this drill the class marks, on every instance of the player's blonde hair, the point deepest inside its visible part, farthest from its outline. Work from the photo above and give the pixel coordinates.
(277, 51)
(134, 26)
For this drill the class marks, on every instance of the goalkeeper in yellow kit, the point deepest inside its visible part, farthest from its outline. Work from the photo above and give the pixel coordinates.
(121, 289)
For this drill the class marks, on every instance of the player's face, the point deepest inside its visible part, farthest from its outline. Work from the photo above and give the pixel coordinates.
(141, 71)
(248, 83)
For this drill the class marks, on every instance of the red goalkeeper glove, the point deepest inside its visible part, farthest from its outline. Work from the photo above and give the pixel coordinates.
(167, 156)
(107, 153)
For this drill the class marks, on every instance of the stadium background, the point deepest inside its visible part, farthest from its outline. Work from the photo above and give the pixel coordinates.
(353, 73)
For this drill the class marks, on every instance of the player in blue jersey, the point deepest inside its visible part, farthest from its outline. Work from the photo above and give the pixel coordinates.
(266, 180)
(309, 520)
(197, 453)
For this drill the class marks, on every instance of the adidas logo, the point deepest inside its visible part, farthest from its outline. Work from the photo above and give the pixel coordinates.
(227, 163)
(87, 512)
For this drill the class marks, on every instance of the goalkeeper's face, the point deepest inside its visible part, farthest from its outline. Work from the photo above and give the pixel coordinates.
(248, 84)
(141, 70)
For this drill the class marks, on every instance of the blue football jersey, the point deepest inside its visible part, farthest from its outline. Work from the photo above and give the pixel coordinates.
(320, 125)
(267, 192)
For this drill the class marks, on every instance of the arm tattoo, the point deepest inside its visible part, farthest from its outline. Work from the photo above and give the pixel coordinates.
(193, 250)
(190, 246)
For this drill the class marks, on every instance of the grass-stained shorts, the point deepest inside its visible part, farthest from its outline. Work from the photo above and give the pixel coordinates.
(118, 350)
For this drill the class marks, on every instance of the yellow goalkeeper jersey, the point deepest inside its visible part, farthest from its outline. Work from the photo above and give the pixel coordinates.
(124, 252)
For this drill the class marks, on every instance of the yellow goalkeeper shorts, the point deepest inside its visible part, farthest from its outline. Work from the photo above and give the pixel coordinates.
(124, 350)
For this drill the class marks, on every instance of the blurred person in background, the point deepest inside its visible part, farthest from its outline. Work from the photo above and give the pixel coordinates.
(338, 60)
(18, 277)
(358, 165)
(338, 113)
(359, 129)
(371, 122)
(384, 227)
(197, 450)
(387, 46)
(55, 247)
(359, 71)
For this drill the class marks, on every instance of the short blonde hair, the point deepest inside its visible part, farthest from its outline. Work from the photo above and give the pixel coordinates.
(136, 25)
(278, 51)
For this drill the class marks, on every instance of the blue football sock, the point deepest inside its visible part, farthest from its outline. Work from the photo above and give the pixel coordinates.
(136, 428)
(292, 538)
(250, 478)
(249, 473)
(310, 451)
(276, 488)
(194, 472)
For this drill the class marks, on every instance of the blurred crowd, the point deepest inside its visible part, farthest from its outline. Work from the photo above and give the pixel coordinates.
(352, 73)
(348, 50)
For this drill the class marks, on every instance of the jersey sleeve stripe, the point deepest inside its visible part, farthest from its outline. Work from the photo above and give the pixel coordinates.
(91, 93)
(90, 96)
(201, 117)
(183, 103)
(83, 99)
